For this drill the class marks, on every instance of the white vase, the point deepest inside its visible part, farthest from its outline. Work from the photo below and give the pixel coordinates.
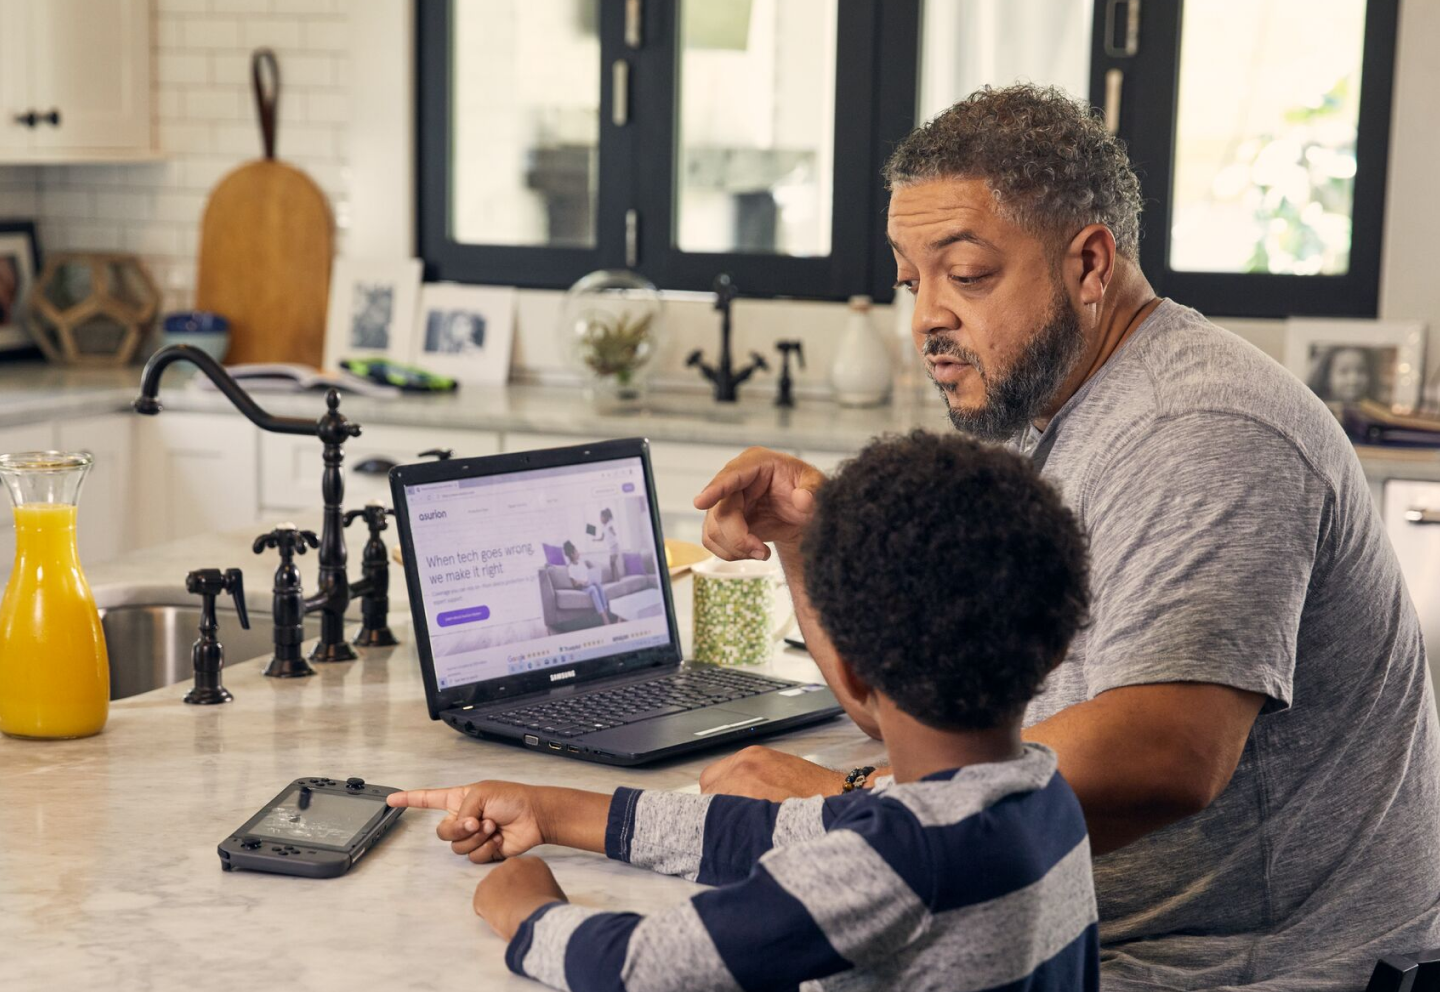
(860, 374)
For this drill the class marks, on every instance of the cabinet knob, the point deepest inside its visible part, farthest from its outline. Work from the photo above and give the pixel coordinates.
(52, 118)
(28, 119)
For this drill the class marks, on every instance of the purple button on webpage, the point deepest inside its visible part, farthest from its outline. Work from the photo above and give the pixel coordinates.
(471, 614)
(628, 487)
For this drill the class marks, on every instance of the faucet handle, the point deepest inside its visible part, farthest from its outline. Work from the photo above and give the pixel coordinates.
(235, 582)
(289, 539)
(442, 454)
(757, 361)
(696, 357)
(374, 513)
(725, 291)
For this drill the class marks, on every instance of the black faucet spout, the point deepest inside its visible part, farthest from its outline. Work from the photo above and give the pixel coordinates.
(148, 402)
(333, 429)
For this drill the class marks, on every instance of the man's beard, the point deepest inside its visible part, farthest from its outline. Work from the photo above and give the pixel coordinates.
(1026, 390)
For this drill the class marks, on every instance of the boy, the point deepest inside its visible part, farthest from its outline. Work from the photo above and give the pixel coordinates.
(951, 580)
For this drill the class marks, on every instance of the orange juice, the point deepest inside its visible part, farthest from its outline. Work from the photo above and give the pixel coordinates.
(54, 670)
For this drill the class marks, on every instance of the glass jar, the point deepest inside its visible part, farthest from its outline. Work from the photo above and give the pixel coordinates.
(610, 332)
(54, 669)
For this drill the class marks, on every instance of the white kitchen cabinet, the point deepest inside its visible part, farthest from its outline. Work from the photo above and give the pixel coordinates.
(291, 466)
(74, 80)
(195, 473)
(106, 524)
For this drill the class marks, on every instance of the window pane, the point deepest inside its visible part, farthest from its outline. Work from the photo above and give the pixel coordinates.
(756, 127)
(526, 105)
(1265, 136)
(965, 44)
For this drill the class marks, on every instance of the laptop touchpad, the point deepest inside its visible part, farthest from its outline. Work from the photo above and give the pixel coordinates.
(666, 731)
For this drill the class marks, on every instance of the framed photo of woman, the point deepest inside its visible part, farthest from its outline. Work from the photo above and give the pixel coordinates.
(1347, 361)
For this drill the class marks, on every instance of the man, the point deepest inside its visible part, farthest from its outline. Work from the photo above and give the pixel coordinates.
(1247, 721)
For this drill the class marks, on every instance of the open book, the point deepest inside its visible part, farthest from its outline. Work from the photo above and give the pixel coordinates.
(281, 377)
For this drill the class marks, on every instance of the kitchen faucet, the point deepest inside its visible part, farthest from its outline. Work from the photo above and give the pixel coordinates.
(336, 591)
(727, 381)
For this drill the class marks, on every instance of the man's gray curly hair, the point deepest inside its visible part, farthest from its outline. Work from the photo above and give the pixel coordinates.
(1047, 158)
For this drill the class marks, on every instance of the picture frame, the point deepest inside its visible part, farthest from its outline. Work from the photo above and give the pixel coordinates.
(372, 309)
(19, 268)
(465, 332)
(1348, 360)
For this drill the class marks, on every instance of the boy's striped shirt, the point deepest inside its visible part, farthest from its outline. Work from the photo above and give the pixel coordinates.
(974, 879)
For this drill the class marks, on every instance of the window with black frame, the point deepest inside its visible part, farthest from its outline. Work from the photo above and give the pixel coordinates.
(680, 138)
(1260, 130)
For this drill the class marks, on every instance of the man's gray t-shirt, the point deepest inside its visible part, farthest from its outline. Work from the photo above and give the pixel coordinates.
(1234, 540)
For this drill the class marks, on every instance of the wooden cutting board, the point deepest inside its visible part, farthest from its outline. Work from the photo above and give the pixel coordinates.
(266, 243)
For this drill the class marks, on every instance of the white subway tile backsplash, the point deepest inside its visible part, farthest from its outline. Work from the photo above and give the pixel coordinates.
(18, 203)
(232, 68)
(270, 32)
(308, 70)
(183, 136)
(237, 139)
(124, 205)
(246, 6)
(327, 107)
(313, 6)
(167, 34)
(327, 34)
(164, 7)
(168, 104)
(204, 173)
(153, 239)
(84, 237)
(211, 32)
(175, 67)
(182, 208)
(216, 103)
(67, 204)
(308, 142)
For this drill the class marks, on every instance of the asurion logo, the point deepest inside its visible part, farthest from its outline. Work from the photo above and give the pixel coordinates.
(433, 515)
(562, 676)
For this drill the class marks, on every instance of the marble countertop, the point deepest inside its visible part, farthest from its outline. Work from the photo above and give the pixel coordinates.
(32, 392)
(108, 871)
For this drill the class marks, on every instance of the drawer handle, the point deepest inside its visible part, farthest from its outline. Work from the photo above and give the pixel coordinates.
(375, 466)
(1420, 515)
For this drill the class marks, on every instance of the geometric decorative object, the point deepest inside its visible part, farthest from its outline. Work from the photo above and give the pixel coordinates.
(92, 308)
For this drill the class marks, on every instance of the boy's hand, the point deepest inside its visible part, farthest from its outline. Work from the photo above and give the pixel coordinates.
(510, 892)
(487, 821)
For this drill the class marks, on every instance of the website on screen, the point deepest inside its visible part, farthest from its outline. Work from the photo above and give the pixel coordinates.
(530, 570)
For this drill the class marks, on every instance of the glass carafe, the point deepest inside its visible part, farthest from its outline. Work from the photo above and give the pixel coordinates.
(54, 670)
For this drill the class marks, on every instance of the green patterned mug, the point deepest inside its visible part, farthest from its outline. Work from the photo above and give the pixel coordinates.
(738, 614)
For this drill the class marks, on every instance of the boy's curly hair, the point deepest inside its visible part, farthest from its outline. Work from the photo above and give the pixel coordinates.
(1047, 158)
(949, 576)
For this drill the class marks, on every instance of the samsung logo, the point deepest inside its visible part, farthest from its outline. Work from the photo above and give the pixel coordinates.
(433, 515)
(562, 676)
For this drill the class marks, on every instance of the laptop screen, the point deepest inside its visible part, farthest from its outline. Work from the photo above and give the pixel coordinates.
(531, 569)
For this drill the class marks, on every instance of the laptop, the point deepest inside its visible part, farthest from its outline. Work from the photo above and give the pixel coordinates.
(544, 616)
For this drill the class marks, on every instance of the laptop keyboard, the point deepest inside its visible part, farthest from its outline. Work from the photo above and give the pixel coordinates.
(690, 690)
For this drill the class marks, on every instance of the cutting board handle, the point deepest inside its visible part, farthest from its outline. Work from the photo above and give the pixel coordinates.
(267, 97)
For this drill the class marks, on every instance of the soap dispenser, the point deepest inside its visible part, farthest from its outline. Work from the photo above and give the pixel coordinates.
(860, 374)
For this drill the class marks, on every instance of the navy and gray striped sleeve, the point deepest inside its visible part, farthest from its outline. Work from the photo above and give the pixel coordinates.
(710, 839)
(806, 911)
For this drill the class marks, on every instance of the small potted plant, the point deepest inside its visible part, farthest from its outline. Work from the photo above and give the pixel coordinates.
(609, 325)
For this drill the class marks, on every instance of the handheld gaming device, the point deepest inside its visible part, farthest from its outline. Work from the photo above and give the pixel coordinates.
(315, 828)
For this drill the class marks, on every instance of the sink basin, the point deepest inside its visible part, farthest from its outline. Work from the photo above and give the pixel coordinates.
(149, 645)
